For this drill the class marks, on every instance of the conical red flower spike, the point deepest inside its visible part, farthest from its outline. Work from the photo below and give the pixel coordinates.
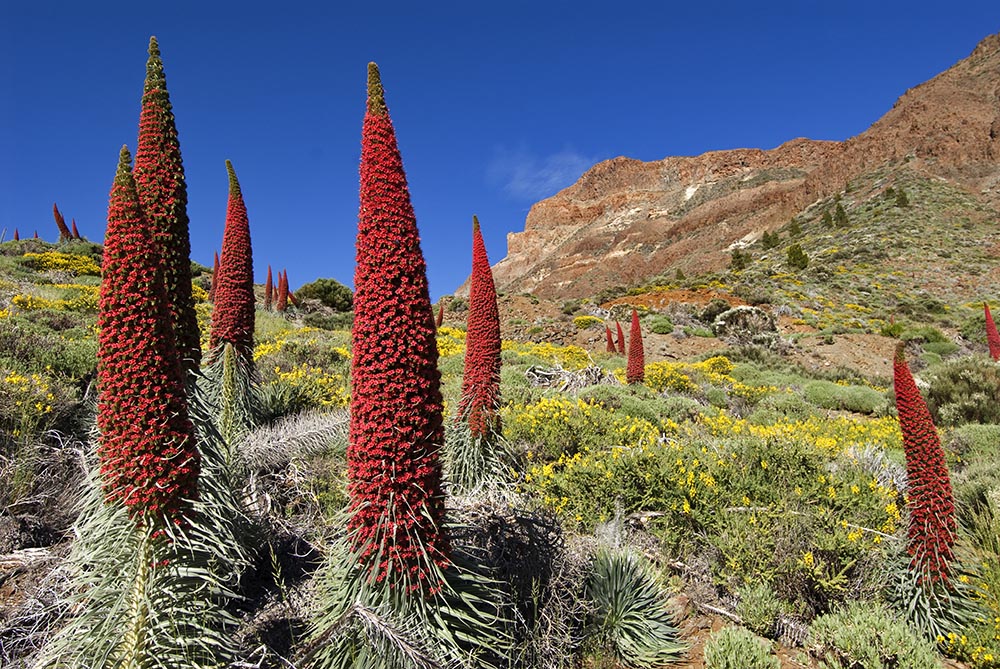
(149, 459)
(64, 232)
(931, 504)
(76, 232)
(282, 302)
(233, 316)
(394, 472)
(992, 337)
(440, 317)
(159, 178)
(268, 290)
(611, 341)
(621, 339)
(17, 236)
(480, 397)
(215, 278)
(635, 371)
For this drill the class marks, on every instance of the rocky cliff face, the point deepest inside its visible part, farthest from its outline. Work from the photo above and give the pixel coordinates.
(626, 220)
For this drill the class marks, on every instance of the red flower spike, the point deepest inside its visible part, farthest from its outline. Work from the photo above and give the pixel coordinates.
(268, 290)
(440, 317)
(17, 236)
(394, 471)
(282, 302)
(931, 504)
(36, 234)
(147, 450)
(215, 277)
(76, 233)
(611, 341)
(64, 232)
(992, 337)
(233, 316)
(291, 296)
(621, 339)
(159, 178)
(481, 379)
(635, 371)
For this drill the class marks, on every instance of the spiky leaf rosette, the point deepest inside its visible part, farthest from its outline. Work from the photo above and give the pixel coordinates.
(611, 342)
(268, 290)
(64, 232)
(394, 471)
(281, 303)
(233, 316)
(635, 371)
(630, 618)
(149, 457)
(159, 177)
(992, 337)
(621, 339)
(931, 504)
(155, 596)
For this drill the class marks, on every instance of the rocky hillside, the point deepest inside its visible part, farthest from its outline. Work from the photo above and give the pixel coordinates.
(626, 220)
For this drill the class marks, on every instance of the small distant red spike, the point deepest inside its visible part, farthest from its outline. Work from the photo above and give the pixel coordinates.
(611, 341)
(440, 317)
(268, 290)
(621, 339)
(76, 233)
(992, 337)
(17, 237)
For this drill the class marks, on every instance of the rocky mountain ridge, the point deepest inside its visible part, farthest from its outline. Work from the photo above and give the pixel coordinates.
(626, 220)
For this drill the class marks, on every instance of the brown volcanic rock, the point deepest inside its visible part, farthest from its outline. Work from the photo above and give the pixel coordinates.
(626, 220)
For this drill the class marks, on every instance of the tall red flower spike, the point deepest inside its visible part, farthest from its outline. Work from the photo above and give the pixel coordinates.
(480, 396)
(635, 371)
(282, 301)
(76, 233)
(17, 236)
(233, 316)
(621, 339)
(147, 448)
(932, 507)
(611, 342)
(394, 470)
(36, 234)
(64, 232)
(440, 317)
(291, 296)
(992, 337)
(159, 178)
(215, 277)
(268, 290)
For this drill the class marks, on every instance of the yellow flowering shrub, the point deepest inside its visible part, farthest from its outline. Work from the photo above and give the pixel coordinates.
(320, 386)
(450, 341)
(569, 357)
(73, 297)
(586, 322)
(26, 402)
(66, 262)
(198, 293)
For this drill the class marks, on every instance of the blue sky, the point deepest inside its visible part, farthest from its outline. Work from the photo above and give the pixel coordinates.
(496, 105)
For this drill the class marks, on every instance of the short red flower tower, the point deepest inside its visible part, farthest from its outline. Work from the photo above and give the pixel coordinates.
(611, 341)
(394, 471)
(931, 504)
(147, 449)
(233, 316)
(635, 371)
(621, 339)
(992, 337)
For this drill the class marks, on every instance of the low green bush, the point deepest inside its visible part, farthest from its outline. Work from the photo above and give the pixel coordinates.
(738, 648)
(860, 399)
(964, 390)
(865, 634)
(660, 325)
(758, 607)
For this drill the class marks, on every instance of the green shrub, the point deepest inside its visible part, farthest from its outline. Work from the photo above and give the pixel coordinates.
(329, 292)
(758, 607)
(923, 333)
(941, 348)
(865, 634)
(964, 391)
(712, 310)
(860, 399)
(570, 307)
(975, 441)
(738, 648)
(660, 325)
(338, 321)
(797, 258)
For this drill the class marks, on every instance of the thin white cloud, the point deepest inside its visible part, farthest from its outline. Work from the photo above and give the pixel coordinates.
(523, 175)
